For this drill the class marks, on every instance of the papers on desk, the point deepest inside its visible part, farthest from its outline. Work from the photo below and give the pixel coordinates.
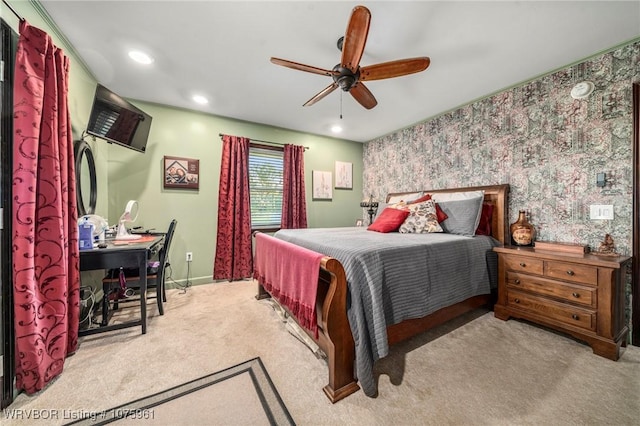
(142, 239)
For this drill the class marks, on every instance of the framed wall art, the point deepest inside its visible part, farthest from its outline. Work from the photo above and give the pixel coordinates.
(322, 185)
(344, 175)
(181, 173)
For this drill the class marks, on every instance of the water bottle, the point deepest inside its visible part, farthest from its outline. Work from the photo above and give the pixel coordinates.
(85, 237)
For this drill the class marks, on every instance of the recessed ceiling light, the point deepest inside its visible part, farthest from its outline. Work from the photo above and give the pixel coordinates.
(141, 57)
(200, 99)
(336, 129)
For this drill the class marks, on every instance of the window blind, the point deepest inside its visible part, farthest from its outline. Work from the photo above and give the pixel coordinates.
(265, 186)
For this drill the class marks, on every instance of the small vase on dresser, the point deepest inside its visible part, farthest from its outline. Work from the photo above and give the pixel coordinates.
(522, 232)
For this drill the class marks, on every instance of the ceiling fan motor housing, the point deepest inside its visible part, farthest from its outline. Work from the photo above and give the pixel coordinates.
(346, 79)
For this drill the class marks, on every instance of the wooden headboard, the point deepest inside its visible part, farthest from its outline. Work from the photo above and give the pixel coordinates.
(498, 195)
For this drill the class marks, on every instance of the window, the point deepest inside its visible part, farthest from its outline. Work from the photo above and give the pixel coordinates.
(265, 185)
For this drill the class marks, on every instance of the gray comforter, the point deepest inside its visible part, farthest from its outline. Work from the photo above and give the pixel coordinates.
(393, 277)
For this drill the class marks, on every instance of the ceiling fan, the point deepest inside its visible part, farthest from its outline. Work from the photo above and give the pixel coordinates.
(348, 75)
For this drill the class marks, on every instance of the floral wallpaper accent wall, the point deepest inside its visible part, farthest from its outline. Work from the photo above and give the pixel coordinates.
(548, 146)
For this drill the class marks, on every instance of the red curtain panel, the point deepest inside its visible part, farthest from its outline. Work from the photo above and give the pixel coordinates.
(234, 259)
(294, 205)
(46, 275)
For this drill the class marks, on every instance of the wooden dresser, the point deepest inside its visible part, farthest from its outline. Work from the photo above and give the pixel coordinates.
(582, 295)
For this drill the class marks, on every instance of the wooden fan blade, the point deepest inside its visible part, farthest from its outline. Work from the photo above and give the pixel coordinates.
(302, 67)
(363, 96)
(355, 38)
(330, 88)
(394, 68)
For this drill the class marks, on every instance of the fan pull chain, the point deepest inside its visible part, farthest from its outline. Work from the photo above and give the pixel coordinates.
(341, 105)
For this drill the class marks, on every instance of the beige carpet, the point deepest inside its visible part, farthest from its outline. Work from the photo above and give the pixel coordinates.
(242, 394)
(476, 370)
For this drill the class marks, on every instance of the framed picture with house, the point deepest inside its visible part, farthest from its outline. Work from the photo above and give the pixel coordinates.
(181, 173)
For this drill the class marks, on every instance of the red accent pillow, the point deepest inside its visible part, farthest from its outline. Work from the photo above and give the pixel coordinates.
(422, 199)
(442, 216)
(484, 227)
(389, 220)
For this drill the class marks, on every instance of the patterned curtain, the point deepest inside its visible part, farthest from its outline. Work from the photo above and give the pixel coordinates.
(46, 275)
(294, 205)
(234, 260)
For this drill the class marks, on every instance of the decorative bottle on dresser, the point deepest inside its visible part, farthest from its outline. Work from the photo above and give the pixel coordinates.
(522, 232)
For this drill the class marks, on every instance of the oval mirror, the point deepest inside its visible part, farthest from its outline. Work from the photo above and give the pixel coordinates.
(86, 184)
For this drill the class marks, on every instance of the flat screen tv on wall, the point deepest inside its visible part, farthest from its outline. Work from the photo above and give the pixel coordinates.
(117, 121)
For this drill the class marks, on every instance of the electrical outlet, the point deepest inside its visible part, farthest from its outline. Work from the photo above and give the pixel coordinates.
(189, 256)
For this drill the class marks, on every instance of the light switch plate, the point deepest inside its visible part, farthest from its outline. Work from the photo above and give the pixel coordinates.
(601, 211)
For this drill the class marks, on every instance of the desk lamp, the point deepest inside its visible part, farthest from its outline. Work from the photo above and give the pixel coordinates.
(123, 234)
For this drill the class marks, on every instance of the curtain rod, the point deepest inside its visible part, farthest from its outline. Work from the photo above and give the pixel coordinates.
(13, 10)
(258, 140)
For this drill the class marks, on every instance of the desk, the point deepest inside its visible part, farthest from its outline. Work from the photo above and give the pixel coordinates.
(136, 253)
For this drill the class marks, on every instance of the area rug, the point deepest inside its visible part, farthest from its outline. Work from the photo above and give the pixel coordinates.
(242, 394)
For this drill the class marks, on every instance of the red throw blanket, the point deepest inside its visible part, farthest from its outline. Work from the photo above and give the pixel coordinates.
(290, 273)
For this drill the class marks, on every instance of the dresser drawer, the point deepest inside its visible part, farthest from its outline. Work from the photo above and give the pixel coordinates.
(572, 293)
(553, 310)
(524, 264)
(577, 273)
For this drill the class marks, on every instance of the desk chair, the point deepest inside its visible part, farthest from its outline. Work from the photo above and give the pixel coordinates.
(112, 286)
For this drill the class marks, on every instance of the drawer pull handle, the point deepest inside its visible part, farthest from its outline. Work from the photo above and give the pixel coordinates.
(575, 317)
(516, 300)
(522, 264)
(576, 295)
(517, 281)
(570, 272)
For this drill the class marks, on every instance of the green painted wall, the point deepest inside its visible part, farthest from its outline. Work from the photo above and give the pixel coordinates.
(184, 133)
(123, 174)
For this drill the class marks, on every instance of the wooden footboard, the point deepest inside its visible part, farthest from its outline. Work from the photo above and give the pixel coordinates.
(334, 333)
(335, 337)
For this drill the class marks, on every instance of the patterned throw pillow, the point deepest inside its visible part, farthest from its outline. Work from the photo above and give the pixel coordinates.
(422, 219)
(442, 216)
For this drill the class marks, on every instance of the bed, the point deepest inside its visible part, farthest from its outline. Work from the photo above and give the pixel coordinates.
(368, 296)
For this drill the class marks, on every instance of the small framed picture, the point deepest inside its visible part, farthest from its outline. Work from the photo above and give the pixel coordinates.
(344, 175)
(359, 222)
(182, 173)
(322, 185)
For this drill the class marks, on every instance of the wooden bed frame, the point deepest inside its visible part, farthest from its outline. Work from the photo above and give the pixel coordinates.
(334, 333)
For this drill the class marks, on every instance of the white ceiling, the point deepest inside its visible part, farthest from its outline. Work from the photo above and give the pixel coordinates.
(222, 48)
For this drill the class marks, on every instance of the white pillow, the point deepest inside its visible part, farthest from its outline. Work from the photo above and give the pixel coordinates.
(404, 197)
(454, 196)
